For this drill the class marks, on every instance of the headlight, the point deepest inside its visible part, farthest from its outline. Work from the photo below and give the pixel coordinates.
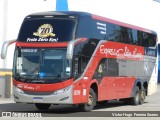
(18, 90)
(60, 91)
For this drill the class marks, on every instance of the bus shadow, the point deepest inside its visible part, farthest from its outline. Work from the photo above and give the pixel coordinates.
(113, 104)
(57, 109)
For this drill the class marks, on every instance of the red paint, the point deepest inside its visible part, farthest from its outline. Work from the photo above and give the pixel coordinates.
(80, 40)
(83, 86)
(77, 92)
(12, 42)
(35, 44)
(83, 39)
(42, 87)
(120, 51)
(115, 87)
(110, 87)
(120, 23)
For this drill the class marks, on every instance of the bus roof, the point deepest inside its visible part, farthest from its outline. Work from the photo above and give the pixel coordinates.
(92, 16)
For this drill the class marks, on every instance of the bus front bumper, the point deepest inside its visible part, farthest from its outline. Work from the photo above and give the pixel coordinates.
(63, 96)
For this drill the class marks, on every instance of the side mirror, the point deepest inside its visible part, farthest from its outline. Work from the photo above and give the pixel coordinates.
(5, 48)
(70, 48)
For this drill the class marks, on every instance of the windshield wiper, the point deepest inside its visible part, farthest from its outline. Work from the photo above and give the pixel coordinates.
(31, 73)
(58, 78)
(17, 77)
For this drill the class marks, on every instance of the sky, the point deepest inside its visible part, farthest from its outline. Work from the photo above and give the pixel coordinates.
(143, 13)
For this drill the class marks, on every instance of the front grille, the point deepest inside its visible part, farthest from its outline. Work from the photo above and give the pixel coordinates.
(38, 93)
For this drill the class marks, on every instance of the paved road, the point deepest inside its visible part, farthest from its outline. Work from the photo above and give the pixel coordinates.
(152, 103)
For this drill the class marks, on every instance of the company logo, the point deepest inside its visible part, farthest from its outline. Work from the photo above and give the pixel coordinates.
(25, 86)
(100, 69)
(44, 31)
(122, 53)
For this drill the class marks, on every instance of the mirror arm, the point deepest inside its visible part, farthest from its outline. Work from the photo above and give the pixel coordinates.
(5, 47)
(70, 48)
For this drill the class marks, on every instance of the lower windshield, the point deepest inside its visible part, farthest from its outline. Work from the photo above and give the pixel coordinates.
(41, 65)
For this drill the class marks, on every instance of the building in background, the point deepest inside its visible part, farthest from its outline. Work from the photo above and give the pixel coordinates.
(144, 13)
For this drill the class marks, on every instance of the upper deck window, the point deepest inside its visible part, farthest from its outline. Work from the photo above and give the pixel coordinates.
(47, 29)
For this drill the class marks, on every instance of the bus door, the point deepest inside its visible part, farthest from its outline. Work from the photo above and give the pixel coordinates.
(77, 89)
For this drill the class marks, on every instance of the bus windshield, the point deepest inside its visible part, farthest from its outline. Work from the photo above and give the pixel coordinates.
(41, 65)
(47, 30)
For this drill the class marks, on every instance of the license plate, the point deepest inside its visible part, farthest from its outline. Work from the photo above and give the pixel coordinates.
(37, 99)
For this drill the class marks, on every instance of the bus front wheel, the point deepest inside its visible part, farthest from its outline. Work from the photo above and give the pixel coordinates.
(91, 102)
(41, 106)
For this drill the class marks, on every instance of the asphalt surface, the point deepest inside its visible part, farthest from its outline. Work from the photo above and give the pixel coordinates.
(111, 109)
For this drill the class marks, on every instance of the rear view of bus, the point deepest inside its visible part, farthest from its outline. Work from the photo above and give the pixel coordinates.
(81, 59)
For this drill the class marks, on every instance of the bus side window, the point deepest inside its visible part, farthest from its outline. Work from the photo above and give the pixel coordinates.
(124, 35)
(111, 32)
(112, 68)
(146, 39)
(77, 66)
(152, 40)
(135, 37)
(140, 38)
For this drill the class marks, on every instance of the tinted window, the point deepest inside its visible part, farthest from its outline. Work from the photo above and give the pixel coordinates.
(111, 67)
(47, 30)
(107, 67)
(146, 39)
(134, 37)
(47, 65)
(126, 35)
(113, 32)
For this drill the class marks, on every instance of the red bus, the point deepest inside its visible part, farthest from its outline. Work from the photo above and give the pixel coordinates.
(82, 59)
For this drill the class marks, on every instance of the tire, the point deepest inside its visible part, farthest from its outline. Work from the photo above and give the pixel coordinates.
(41, 106)
(142, 96)
(91, 102)
(136, 99)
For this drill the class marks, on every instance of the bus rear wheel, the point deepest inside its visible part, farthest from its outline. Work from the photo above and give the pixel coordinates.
(136, 99)
(91, 102)
(142, 96)
(42, 106)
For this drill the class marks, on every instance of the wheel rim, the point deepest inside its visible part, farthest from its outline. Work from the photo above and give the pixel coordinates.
(143, 95)
(137, 97)
(90, 100)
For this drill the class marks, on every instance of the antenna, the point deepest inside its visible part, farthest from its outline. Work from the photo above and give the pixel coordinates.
(61, 5)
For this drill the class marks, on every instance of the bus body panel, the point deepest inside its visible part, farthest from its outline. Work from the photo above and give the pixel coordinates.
(64, 98)
(115, 87)
(121, 86)
(42, 87)
(109, 56)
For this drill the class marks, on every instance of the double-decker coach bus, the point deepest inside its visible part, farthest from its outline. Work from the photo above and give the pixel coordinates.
(82, 59)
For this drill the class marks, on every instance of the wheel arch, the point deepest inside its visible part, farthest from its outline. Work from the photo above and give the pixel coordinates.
(94, 86)
(141, 84)
(145, 86)
(137, 83)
